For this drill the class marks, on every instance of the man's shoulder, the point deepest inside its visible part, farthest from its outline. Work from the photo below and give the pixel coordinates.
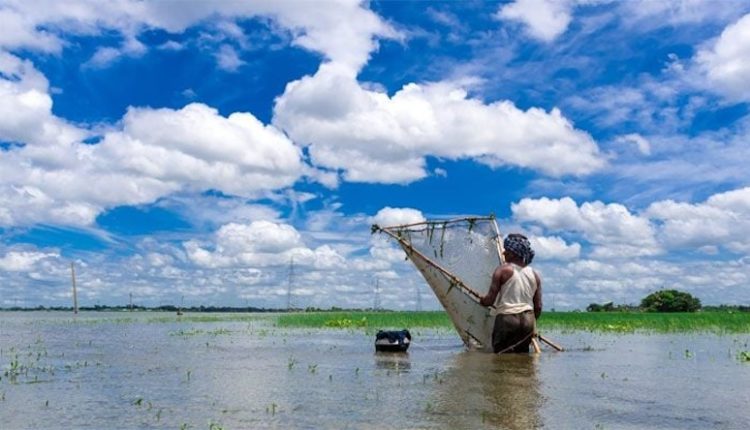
(504, 269)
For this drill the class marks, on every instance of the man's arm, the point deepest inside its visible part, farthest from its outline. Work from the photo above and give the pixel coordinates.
(538, 296)
(499, 277)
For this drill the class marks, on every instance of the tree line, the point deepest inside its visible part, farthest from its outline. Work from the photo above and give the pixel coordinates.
(661, 301)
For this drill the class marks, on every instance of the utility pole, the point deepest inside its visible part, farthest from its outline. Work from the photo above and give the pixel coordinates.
(75, 293)
(376, 301)
(289, 287)
(131, 302)
(419, 299)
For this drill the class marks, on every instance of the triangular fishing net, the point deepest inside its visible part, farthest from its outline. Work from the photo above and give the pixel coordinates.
(457, 258)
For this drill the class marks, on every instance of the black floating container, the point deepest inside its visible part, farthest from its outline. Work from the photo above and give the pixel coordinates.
(392, 340)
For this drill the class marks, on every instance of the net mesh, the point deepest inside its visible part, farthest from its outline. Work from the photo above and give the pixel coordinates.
(466, 248)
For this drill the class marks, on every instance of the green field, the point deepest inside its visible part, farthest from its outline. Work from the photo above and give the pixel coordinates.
(621, 322)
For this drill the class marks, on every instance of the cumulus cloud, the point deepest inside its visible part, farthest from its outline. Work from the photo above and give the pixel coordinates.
(26, 106)
(723, 220)
(373, 137)
(580, 282)
(554, 248)
(23, 261)
(389, 216)
(341, 30)
(156, 152)
(726, 63)
(545, 20)
(261, 244)
(613, 230)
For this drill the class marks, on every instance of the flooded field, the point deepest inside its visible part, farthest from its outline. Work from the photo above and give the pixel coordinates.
(146, 370)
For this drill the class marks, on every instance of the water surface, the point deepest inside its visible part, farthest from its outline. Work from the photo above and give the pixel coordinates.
(146, 370)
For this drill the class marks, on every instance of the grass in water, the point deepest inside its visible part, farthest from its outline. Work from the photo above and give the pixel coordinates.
(617, 322)
(365, 320)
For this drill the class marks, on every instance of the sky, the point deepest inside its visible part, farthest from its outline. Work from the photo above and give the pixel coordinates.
(225, 153)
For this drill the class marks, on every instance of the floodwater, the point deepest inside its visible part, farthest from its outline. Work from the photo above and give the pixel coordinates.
(100, 371)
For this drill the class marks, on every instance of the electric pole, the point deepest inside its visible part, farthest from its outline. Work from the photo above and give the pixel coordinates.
(376, 301)
(289, 287)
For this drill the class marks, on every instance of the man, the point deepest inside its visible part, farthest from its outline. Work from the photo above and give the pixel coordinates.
(516, 293)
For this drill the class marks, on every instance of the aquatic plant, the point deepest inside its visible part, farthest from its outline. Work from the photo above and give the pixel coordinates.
(291, 362)
(364, 319)
(744, 356)
(612, 322)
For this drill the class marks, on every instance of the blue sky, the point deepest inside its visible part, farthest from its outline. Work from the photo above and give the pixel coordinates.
(194, 149)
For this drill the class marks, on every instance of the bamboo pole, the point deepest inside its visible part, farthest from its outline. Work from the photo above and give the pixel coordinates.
(432, 222)
(550, 343)
(535, 345)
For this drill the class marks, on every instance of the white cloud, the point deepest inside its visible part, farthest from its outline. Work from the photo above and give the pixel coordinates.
(580, 282)
(26, 107)
(261, 244)
(726, 63)
(376, 138)
(228, 59)
(544, 19)
(554, 248)
(389, 216)
(105, 56)
(643, 145)
(23, 261)
(649, 13)
(342, 30)
(236, 154)
(156, 153)
(611, 228)
(723, 220)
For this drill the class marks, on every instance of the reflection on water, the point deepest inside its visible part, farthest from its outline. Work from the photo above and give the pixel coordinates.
(392, 361)
(479, 390)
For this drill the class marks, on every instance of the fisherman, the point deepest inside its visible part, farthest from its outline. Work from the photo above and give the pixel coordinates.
(516, 293)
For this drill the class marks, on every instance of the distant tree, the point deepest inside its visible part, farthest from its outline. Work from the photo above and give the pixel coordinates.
(605, 307)
(670, 301)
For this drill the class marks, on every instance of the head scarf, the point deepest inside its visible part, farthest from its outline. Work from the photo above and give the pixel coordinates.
(519, 245)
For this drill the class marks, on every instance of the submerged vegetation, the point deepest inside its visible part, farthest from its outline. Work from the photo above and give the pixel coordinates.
(620, 322)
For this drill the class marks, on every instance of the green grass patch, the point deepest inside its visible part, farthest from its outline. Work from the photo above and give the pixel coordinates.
(616, 322)
(628, 322)
(365, 320)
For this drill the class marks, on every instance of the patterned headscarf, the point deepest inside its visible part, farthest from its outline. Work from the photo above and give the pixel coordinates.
(519, 245)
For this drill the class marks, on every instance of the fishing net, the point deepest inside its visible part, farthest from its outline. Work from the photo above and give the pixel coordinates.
(457, 259)
(466, 248)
